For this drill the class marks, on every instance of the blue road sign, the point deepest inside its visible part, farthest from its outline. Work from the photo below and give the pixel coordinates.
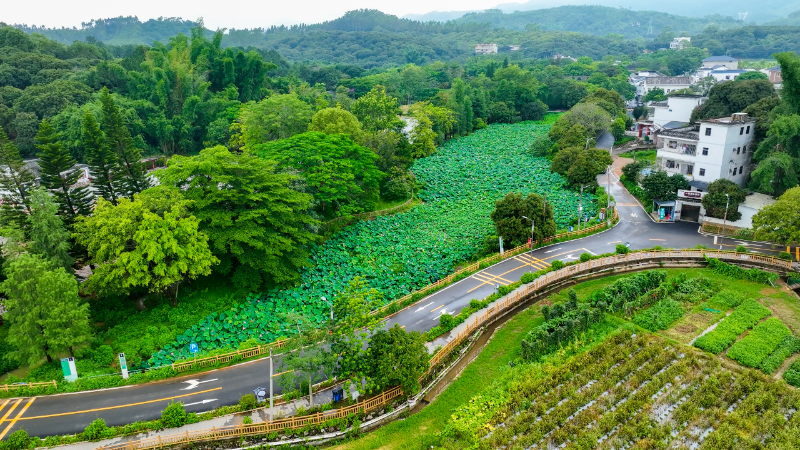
(193, 347)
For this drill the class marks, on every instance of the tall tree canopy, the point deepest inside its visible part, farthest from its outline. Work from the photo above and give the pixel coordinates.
(340, 174)
(258, 225)
(510, 224)
(780, 222)
(275, 117)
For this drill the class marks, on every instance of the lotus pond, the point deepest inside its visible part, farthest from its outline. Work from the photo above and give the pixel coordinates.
(400, 253)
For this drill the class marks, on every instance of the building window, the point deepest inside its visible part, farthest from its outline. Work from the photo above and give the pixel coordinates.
(741, 131)
(708, 131)
(702, 172)
(689, 169)
(738, 149)
(734, 170)
(670, 164)
(748, 129)
(673, 144)
(705, 151)
(741, 169)
(744, 149)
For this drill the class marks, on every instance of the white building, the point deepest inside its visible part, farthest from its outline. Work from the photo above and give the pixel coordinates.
(667, 84)
(708, 151)
(676, 111)
(727, 61)
(680, 42)
(725, 74)
(514, 48)
(485, 49)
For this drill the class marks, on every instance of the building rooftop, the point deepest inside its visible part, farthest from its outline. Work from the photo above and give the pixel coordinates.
(686, 95)
(663, 104)
(669, 80)
(730, 71)
(720, 58)
(681, 133)
(675, 125)
(735, 119)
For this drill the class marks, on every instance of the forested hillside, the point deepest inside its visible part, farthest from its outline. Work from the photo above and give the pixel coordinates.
(116, 31)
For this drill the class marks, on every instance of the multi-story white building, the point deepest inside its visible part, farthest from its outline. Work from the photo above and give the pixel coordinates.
(676, 111)
(485, 49)
(709, 150)
(727, 61)
(680, 42)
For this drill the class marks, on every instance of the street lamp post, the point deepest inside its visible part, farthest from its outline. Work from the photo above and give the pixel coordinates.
(271, 404)
(324, 299)
(725, 218)
(580, 206)
(587, 143)
(608, 197)
(530, 264)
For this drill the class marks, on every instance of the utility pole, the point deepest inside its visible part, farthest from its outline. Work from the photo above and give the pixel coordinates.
(271, 404)
(530, 264)
(608, 197)
(725, 218)
(580, 208)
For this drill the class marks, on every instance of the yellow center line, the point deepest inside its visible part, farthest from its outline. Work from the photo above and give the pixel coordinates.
(21, 412)
(112, 407)
(492, 278)
(13, 407)
(4, 404)
(281, 373)
(434, 309)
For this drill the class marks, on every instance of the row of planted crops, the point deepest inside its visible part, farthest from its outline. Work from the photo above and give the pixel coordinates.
(400, 253)
(632, 392)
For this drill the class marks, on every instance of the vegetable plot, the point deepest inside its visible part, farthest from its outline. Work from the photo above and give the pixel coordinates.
(404, 252)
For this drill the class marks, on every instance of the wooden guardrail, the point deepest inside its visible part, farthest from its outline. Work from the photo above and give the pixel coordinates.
(213, 360)
(510, 301)
(256, 429)
(11, 387)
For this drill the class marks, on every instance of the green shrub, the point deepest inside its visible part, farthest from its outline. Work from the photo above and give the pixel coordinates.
(103, 356)
(726, 299)
(95, 430)
(756, 346)
(247, 420)
(173, 415)
(621, 249)
(557, 264)
(741, 249)
(745, 316)
(247, 402)
(446, 321)
(785, 255)
(474, 304)
(787, 348)
(528, 277)
(623, 291)
(792, 374)
(248, 344)
(733, 271)
(585, 257)
(18, 440)
(659, 316)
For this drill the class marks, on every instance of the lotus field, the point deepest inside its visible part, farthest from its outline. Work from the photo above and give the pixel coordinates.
(400, 253)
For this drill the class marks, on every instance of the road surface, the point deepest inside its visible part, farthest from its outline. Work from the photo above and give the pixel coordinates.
(71, 413)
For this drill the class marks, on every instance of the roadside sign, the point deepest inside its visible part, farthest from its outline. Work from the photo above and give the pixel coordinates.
(501, 245)
(123, 365)
(661, 213)
(570, 228)
(194, 348)
(68, 369)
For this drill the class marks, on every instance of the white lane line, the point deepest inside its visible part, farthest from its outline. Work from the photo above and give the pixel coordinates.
(551, 251)
(209, 400)
(420, 309)
(590, 252)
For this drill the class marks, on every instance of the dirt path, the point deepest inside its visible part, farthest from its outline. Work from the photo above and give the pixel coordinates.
(779, 373)
(710, 328)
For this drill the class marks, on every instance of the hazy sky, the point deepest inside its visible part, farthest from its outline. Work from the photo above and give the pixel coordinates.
(217, 14)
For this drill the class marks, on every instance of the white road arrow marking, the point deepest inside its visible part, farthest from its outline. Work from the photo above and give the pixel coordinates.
(201, 403)
(551, 251)
(426, 306)
(747, 243)
(634, 214)
(444, 311)
(570, 257)
(193, 383)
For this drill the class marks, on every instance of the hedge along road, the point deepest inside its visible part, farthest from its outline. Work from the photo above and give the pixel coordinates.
(71, 413)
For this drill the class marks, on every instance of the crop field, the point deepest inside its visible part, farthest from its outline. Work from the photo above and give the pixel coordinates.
(400, 253)
(639, 392)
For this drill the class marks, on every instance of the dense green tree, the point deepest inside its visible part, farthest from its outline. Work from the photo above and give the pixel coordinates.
(513, 227)
(618, 128)
(378, 111)
(762, 111)
(541, 146)
(397, 357)
(564, 158)
(306, 356)
(754, 75)
(609, 100)
(533, 110)
(664, 187)
(499, 112)
(591, 117)
(257, 224)
(340, 174)
(336, 121)
(43, 308)
(633, 170)
(132, 173)
(48, 236)
(780, 222)
(60, 176)
(655, 95)
(102, 161)
(24, 127)
(775, 174)
(725, 99)
(15, 182)
(715, 200)
(585, 168)
(275, 117)
(150, 241)
(423, 138)
(790, 73)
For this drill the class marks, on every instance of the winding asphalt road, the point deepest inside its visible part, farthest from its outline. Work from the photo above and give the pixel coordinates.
(71, 413)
